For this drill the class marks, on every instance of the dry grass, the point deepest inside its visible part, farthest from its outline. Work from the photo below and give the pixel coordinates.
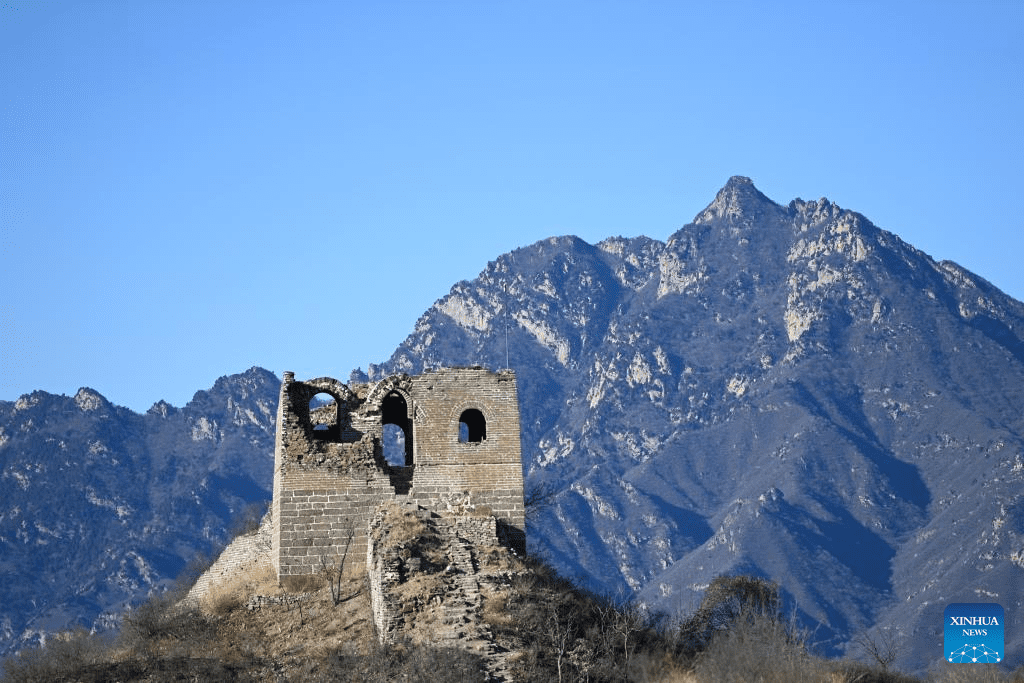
(554, 630)
(761, 648)
(497, 559)
(293, 635)
(944, 672)
(421, 586)
(307, 583)
(400, 525)
(495, 611)
(233, 592)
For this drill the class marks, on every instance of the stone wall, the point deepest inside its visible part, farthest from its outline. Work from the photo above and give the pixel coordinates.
(243, 555)
(331, 475)
(490, 471)
(425, 572)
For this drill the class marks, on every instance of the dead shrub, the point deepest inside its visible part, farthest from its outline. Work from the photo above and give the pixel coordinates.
(68, 655)
(759, 647)
(660, 667)
(305, 583)
(224, 598)
(495, 610)
(332, 567)
(261, 579)
(408, 528)
(399, 662)
(231, 593)
(857, 672)
(163, 623)
(724, 601)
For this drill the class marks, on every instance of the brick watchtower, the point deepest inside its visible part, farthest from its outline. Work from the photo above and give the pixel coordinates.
(341, 451)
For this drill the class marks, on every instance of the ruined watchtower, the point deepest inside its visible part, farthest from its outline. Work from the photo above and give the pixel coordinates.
(456, 433)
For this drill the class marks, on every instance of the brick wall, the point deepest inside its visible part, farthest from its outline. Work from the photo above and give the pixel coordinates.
(327, 484)
(242, 555)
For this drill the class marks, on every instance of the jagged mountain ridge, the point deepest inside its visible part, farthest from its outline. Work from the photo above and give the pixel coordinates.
(102, 504)
(782, 390)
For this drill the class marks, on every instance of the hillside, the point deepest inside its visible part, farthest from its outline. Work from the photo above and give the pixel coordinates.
(236, 624)
(102, 505)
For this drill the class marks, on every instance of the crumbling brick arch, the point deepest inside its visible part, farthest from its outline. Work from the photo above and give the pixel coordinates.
(395, 410)
(301, 393)
(399, 383)
(391, 401)
(324, 416)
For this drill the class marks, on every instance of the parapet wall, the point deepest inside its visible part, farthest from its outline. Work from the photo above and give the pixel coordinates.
(242, 556)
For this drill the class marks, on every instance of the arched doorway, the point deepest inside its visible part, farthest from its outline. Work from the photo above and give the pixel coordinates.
(395, 411)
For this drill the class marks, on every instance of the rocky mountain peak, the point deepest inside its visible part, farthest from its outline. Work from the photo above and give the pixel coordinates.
(89, 399)
(162, 409)
(103, 505)
(738, 199)
(777, 390)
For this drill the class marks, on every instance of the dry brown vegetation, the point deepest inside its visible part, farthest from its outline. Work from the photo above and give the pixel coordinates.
(553, 631)
(404, 526)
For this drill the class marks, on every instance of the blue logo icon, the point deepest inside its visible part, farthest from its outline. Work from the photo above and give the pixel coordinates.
(973, 633)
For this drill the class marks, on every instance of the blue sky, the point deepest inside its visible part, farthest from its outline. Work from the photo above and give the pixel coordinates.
(191, 188)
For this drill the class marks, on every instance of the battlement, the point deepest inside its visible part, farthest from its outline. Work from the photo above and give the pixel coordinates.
(447, 440)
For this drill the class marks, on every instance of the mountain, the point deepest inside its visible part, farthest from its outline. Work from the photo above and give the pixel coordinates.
(787, 391)
(780, 390)
(102, 504)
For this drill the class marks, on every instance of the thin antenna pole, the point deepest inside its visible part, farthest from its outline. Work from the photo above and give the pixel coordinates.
(505, 287)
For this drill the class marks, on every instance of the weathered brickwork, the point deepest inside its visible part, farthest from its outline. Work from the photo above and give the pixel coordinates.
(425, 572)
(462, 450)
(240, 557)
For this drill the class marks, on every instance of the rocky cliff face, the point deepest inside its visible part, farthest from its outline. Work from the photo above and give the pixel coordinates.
(101, 504)
(788, 391)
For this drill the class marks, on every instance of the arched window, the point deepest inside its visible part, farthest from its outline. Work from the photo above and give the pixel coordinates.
(323, 415)
(472, 426)
(394, 411)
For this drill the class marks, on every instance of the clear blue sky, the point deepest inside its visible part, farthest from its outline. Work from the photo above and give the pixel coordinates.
(191, 188)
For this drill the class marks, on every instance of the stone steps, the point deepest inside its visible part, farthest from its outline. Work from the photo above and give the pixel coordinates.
(466, 609)
(460, 622)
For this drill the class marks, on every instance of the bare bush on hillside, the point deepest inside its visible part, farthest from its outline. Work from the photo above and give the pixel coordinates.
(759, 647)
(333, 568)
(65, 656)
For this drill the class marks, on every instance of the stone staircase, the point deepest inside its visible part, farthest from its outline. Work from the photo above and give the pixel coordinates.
(461, 622)
(463, 608)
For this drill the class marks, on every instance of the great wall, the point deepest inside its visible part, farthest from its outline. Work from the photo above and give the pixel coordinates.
(415, 481)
